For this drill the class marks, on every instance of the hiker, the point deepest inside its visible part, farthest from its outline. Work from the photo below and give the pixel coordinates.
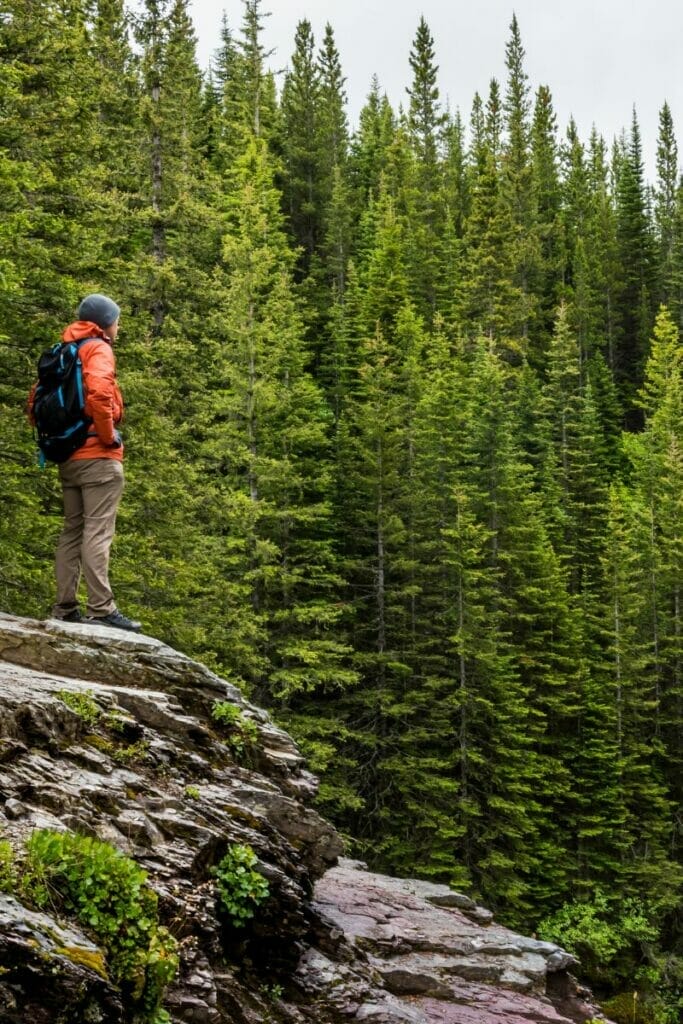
(92, 475)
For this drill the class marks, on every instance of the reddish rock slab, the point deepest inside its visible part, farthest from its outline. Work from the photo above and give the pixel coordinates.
(444, 957)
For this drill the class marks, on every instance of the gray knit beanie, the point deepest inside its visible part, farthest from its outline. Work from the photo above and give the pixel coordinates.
(99, 309)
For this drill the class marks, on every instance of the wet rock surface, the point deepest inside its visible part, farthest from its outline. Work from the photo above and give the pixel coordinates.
(152, 773)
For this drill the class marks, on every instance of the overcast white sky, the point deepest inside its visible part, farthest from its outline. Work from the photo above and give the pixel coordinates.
(599, 57)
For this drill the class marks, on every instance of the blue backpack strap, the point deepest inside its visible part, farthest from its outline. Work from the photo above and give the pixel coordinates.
(79, 372)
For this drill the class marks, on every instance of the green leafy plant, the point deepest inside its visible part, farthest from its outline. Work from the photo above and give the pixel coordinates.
(225, 713)
(192, 792)
(272, 992)
(82, 703)
(605, 938)
(132, 754)
(107, 892)
(242, 732)
(240, 887)
(617, 944)
(115, 721)
(8, 868)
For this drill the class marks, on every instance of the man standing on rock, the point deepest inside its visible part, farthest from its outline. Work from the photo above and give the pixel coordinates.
(92, 477)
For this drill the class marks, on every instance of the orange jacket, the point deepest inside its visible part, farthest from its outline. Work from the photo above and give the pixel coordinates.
(103, 400)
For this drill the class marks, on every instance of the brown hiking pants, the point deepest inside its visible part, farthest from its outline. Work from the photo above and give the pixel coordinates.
(92, 491)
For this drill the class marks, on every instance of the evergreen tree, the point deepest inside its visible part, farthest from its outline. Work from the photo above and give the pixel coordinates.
(487, 298)
(333, 145)
(665, 203)
(657, 466)
(369, 149)
(644, 832)
(425, 124)
(636, 264)
(300, 102)
(517, 177)
(265, 449)
(546, 199)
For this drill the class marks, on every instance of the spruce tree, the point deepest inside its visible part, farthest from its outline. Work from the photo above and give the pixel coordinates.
(425, 122)
(333, 146)
(655, 456)
(665, 204)
(301, 158)
(517, 178)
(637, 266)
(265, 448)
(487, 299)
(546, 199)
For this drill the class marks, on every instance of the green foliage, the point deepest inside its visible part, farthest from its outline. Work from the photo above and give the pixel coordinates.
(81, 703)
(242, 732)
(240, 887)
(8, 867)
(605, 938)
(133, 753)
(272, 992)
(108, 894)
(192, 792)
(617, 944)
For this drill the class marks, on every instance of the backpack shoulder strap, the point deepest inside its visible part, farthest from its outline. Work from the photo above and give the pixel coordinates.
(83, 341)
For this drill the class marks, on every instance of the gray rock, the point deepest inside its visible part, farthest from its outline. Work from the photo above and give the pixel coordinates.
(14, 808)
(46, 966)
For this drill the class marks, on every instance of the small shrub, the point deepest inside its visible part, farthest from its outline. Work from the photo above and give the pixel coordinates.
(192, 792)
(606, 939)
(242, 732)
(272, 992)
(240, 888)
(226, 713)
(106, 891)
(115, 721)
(82, 703)
(135, 753)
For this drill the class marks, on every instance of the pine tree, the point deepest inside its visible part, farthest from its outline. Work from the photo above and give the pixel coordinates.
(333, 145)
(369, 149)
(265, 449)
(525, 591)
(644, 834)
(517, 178)
(636, 265)
(425, 122)
(577, 466)
(300, 102)
(546, 198)
(655, 456)
(486, 297)
(455, 173)
(665, 203)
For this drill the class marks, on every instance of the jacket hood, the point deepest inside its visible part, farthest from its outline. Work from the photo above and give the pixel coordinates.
(83, 329)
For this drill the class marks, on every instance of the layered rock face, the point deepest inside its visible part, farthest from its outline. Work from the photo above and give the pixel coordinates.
(332, 943)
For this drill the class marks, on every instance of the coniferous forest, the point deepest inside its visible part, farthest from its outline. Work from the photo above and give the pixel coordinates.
(404, 440)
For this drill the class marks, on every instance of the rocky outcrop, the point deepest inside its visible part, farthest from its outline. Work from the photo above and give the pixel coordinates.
(149, 770)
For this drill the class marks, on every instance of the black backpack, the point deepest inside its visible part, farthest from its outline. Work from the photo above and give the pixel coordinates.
(58, 402)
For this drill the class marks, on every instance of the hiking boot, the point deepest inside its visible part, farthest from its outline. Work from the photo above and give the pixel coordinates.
(72, 616)
(116, 620)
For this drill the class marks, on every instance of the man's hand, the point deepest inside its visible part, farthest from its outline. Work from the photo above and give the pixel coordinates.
(118, 440)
